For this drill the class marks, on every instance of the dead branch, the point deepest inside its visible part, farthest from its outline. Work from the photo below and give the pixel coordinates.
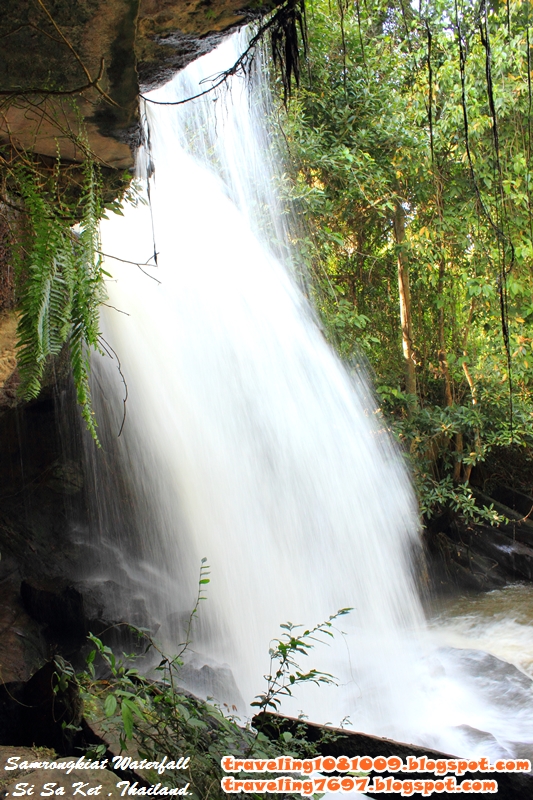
(138, 264)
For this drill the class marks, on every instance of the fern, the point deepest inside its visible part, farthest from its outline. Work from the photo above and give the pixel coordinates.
(62, 283)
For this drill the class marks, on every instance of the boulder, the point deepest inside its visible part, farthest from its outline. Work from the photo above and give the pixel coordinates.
(475, 556)
(43, 711)
(23, 648)
(56, 604)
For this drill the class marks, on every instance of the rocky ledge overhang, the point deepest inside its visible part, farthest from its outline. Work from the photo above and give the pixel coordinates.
(75, 69)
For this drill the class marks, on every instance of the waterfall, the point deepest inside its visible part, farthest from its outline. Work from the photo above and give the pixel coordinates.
(247, 442)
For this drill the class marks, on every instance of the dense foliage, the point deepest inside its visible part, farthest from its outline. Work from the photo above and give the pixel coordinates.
(410, 150)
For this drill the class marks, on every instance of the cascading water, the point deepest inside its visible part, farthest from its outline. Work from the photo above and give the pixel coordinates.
(247, 442)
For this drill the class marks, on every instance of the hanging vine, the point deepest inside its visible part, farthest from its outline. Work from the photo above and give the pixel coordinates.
(287, 29)
(504, 240)
(495, 225)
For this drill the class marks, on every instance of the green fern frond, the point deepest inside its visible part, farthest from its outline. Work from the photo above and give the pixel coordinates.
(62, 282)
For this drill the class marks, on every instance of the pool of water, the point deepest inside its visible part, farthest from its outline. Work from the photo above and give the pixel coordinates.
(498, 622)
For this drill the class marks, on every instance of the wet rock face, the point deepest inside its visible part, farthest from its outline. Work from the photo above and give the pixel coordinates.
(171, 34)
(475, 556)
(75, 68)
(7, 283)
(23, 648)
(46, 606)
(56, 604)
(8, 360)
(61, 48)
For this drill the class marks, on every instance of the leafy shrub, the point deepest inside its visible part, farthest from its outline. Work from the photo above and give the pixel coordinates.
(155, 718)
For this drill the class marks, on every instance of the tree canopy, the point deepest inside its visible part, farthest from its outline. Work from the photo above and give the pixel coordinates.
(410, 143)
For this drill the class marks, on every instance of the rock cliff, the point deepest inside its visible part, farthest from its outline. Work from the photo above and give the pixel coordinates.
(77, 68)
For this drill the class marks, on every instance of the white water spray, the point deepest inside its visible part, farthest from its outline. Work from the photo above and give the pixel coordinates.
(246, 441)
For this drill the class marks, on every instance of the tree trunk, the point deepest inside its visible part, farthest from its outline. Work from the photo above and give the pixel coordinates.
(405, 302)
(473, 392)
(442, 356)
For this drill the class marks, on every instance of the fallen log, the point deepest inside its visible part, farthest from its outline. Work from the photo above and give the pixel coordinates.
(337, 742)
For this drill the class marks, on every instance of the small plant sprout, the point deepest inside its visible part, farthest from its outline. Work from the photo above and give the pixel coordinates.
(284, 669)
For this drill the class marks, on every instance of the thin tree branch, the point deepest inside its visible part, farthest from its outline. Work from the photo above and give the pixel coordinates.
(108, 305)
(92, 84)
(134, 263)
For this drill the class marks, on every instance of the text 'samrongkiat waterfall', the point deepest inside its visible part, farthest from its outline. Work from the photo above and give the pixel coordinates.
(246, 442)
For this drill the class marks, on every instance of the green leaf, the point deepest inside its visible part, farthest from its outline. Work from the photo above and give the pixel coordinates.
(110, 705)
(127, 719)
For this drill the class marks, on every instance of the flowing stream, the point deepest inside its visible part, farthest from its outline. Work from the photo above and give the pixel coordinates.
(246, 442)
